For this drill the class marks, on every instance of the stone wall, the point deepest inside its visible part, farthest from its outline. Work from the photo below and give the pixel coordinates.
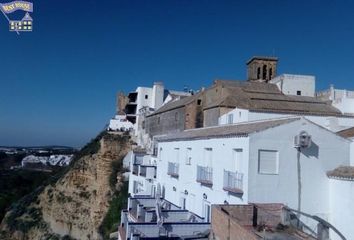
(167, 122)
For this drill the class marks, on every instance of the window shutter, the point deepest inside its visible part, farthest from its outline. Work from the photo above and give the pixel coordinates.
(268, 162)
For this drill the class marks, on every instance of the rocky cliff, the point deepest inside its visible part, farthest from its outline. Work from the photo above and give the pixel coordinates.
(73, 205)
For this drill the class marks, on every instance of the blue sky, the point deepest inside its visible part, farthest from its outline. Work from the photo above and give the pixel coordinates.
(58, 83)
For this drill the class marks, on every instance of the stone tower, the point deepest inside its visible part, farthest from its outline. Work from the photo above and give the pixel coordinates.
(122, 101)
(261, 69)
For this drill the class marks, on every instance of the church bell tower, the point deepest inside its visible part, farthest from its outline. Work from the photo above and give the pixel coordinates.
(261, 69)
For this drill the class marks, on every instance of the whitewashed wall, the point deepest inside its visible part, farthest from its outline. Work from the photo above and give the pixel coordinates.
(221, 159)
(243, 115)
(315, 162)
(289, 84)
(342, 214)
(345, 105)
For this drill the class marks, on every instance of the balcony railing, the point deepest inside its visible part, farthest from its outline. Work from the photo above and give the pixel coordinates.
(205, 175)
(135, 169)
(173, 169)
(147, 171)
(233, 181)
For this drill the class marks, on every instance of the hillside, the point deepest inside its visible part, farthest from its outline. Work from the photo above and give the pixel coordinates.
(73, 204)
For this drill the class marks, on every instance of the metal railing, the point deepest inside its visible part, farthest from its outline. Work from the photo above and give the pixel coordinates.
(205, 175)
(135, 169)
(173, 169)
(142, 171)
(233, 181)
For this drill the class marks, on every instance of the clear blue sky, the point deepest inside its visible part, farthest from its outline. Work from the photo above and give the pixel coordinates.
(58, 83)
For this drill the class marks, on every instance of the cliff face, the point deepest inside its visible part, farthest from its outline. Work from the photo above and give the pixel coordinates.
(74, 205)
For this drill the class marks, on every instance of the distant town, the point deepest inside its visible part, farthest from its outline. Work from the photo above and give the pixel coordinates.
(40, 157)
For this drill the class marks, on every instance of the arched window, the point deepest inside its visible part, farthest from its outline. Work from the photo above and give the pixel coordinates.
(264, 72)
(258, 73)
(270, 73)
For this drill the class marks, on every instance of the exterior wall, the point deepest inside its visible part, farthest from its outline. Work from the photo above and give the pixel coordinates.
(122, 100)
(289, 84)
(342, 212)
(352, 152)
(146, 184)
(141, 101)
(252, 69)
(120, 122)
(329, 122)
(158, 92)
(225, 227)
(238, 115)
(166, 122)
(211, 117)
(222, 149)
(341, 98)
(315, 162)
(345, 105)
(194, 115)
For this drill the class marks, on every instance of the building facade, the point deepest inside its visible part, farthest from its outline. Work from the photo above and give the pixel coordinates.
(250, 162)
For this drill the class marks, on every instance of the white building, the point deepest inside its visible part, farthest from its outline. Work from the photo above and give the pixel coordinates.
(252, 162)
(341, 98)
(120, 123)
(145, 97)
(331, 122)
(142, 176)
(291, 84)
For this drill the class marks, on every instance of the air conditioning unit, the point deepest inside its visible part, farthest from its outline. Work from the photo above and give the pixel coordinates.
(302, 140)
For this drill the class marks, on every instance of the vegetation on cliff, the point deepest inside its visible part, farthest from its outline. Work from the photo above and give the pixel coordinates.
(82, 201)
(119, 200)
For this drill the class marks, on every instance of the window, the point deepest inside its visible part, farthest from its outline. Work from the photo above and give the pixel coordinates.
(206, 211)
(176, 155)
(270, 73)
(230, 118)
(146, 96)
(264, 72)
(208, 156)
(298, 93)
(268, 161)
(189, 156)
(160, 154)
(199, 102)
(258, 73)
(237, 155)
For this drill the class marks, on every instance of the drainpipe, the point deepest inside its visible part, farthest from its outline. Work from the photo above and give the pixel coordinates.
(298, 183)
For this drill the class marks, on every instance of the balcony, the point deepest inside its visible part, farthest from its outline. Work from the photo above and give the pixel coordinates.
(135, 169)
(205, 175)
(233, 182)
(173, 169)
(148, 171)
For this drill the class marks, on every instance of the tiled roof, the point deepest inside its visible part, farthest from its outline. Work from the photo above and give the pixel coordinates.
(241, 129)
(266, 97)
(347, 133)
(175, 104)
(257, 96)
(342, 172)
